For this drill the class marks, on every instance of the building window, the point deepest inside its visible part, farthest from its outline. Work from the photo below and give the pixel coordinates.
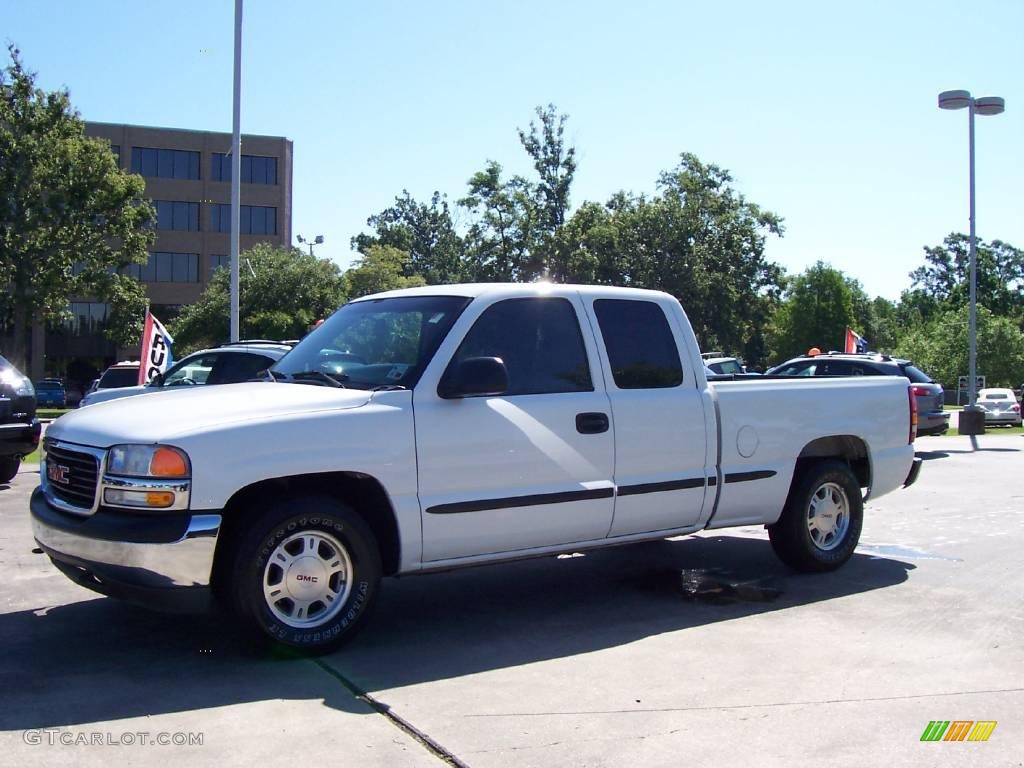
(217, 261)
(166, 267)
(165, 163)
(255, 219)
(255, 169)
(177, 215)
(87, 316)
(116, 149)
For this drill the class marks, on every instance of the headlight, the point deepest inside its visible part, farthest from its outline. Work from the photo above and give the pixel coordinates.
(22, 385)
(148, 461)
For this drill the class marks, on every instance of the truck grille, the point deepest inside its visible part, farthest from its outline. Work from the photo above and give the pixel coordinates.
(71, 476)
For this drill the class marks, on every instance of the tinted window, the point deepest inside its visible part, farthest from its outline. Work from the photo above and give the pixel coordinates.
(641, 349)
(916, 375)
(233, 367)
(255, 169)
(539, 341)
(165, 163)
(114, 378)
(253, 219)
(847, 368)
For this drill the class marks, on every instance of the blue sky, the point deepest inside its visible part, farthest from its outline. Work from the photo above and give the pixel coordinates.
(823, 112)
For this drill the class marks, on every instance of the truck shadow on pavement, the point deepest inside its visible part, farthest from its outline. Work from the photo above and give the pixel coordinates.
(100, 660)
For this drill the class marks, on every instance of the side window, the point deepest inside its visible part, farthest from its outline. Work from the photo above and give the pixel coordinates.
(539, 341)
(835, 368)
(232, 367)
(641, 349)
(194, 371)
(798, 369)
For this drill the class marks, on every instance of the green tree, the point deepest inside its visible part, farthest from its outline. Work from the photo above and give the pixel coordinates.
(382, 268)
(944, 280)
(425, 232)
(555, 164)
(817, 309)
(498, 243)
(940, 347)
(282, 291)
(698, 239)
(70, 219)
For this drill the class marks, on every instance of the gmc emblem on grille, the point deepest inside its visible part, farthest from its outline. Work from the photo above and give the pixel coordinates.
(57, 473)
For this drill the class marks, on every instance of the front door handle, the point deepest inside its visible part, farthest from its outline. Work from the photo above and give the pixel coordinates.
(591, 423)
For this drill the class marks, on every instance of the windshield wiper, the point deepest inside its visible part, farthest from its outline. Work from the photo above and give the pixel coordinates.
(318, 376)
(387, 388)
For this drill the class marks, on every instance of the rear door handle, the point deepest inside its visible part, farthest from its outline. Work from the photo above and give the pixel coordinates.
(591, 423)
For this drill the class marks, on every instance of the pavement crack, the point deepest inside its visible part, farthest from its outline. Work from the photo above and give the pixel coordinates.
(396, 720)
(768, 705)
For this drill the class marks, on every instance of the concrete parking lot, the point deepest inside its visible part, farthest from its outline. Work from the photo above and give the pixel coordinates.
(702, 651)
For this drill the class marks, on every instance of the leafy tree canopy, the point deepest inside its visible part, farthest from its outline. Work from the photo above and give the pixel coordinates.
(943, 282)
(382, 268)
(69, 217)
(817, 309)
(940, 347)
(282, 292)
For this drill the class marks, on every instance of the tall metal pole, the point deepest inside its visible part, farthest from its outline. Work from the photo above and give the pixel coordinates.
(972, 385)
(236, 171)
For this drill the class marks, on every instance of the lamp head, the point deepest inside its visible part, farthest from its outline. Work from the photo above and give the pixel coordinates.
(319, 239)
(954, 99)
(989, 105)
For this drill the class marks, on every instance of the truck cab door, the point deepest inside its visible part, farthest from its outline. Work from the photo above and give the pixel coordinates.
(664, 454)
(531, 467)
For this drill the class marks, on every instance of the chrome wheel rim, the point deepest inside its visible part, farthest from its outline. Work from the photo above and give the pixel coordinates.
(307, 579)
(828, 516)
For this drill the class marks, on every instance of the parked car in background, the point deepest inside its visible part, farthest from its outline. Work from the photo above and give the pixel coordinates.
(1000, 406)
(123, 374)
(932, 420)
(50, 394)
(227, 364)
(720, 364)
(19, 427)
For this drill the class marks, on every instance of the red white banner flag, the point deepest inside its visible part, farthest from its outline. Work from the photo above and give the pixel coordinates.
(156, 350)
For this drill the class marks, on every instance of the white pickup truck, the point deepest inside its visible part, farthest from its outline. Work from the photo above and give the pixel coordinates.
(437, 427)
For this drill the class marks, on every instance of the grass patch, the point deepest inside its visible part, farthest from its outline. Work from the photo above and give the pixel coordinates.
(952, 407)
(51, 413)
(32, 458)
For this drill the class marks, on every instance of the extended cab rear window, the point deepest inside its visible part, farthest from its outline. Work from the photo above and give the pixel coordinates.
(641, 348)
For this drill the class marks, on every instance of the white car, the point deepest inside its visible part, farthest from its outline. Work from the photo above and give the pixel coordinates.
(1000, 406)
(228, 364)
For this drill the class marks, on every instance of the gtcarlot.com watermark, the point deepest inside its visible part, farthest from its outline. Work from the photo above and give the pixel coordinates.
(56, 737)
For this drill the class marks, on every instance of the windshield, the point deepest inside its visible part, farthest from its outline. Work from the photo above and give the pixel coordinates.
(374, 343)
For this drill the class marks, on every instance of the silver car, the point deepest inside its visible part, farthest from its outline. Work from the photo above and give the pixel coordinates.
(1000, 407)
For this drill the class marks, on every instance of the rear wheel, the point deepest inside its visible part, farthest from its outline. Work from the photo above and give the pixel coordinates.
(9, 468)
(305, 574)
(821, 522)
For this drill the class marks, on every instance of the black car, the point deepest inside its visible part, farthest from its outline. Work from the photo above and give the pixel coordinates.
(932, 420)
(19, 427)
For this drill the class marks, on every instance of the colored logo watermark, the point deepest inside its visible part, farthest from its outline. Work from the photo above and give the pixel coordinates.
(958, 730)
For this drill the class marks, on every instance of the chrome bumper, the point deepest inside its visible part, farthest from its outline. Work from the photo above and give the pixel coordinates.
(186, 562)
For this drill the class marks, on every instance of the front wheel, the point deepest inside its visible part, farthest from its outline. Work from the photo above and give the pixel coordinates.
(821, 522)
(9, 468)
(305, 574)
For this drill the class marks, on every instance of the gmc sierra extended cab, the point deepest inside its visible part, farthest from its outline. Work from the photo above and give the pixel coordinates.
(431, 428)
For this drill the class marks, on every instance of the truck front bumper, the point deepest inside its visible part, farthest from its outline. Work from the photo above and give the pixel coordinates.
(158, 560)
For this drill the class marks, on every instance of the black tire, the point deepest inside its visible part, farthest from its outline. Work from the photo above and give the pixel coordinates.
(821, 484)
(9, 468)
(252, 580)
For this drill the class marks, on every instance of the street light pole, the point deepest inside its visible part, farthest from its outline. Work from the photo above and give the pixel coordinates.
(315, 241)
(236, 170)
(972, 420)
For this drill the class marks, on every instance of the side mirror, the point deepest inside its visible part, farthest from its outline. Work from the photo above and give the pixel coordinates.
(474, 377)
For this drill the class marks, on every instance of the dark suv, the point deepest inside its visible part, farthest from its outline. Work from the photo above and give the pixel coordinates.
(19, 427)
(932, 420)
